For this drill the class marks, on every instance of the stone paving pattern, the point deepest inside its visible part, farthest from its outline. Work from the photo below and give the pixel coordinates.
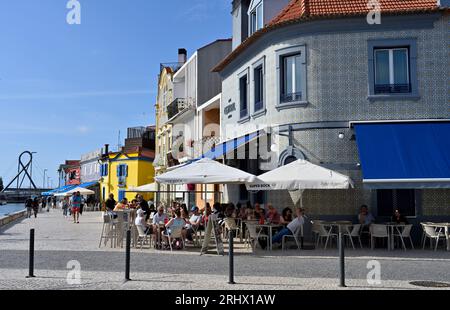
(59, 241)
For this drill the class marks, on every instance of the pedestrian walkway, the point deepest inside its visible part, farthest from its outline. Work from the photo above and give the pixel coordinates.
(59, 241)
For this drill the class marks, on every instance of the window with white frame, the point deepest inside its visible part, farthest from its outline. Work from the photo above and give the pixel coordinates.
(292, 78)
(291, 64)
(392, 70)
(256, 19)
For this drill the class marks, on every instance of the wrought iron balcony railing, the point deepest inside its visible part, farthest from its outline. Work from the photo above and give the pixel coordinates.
(178, 106)
(392, 88)
(291, 97)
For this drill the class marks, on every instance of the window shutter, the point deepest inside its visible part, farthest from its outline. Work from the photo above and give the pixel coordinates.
(126, 170)
(106, 169)
(118, 170)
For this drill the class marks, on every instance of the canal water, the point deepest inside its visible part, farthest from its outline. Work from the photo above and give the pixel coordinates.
(11, 208)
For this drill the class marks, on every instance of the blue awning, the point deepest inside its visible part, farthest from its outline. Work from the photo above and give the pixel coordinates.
(231, 145)
(405, 155)
(67, 188)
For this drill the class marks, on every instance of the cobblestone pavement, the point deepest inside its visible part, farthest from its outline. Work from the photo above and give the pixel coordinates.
(59, 241)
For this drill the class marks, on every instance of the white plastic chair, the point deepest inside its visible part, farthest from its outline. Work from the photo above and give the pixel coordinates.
(253, 236)
(378, 231)
(325, 231)
(143, 237)
(175, 233)
(355, 232)
(108, 231)
(296, 236)
(433, 233)
(316, 229)
(404, 234)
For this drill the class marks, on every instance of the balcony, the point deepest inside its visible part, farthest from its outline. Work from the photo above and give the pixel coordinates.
(392, 88)
(177, 107)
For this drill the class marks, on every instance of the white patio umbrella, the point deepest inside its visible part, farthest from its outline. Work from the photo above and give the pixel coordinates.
(206, 171)
(301, 175)
(83, 191)
(147, 188)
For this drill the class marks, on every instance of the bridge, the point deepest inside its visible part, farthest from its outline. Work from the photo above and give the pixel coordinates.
(15, 192)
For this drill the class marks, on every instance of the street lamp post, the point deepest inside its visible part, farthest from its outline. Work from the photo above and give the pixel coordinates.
(43, 183)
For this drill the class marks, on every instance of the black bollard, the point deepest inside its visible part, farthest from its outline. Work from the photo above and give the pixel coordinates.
(31, 261)
(231, 257)
(341, 260)
(128, 256)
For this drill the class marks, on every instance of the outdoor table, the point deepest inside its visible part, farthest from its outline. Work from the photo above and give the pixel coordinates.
(339, 225)
(158, 238)
(391, 228)
(446, 227)
(270, 228)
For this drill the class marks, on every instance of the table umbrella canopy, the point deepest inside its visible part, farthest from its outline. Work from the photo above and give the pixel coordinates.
(83, 191)
(148, 188)
(206, 171)
(300, 175)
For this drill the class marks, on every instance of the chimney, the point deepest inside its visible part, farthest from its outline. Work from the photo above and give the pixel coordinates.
(106, 149)
(182, 55)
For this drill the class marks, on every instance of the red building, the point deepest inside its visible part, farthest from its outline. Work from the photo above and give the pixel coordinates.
(70, 173)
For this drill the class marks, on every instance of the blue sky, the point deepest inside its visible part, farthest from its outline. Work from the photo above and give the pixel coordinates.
(68, 89)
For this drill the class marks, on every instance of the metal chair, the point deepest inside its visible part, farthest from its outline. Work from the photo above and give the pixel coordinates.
(174, 234)
(325, 231)
(378, 231)
(253, 236)
(315, 229)
(108, 231)
(143, 237)
(297, 235)
(354, 233)
(433, 233)
(404, 234)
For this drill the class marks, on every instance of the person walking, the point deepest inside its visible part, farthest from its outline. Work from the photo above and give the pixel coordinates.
(65, 206)
(29, 206)
(35, 206)
(76, 205)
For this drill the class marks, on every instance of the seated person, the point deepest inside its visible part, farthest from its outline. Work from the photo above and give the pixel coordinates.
(159, 219)
(272, 214)
(140, 221)
(259, 212)
(365, 218)
(194, 223)
(175, 223)
(291, 227)
(122, 205)
(399, 218)
(286, 216)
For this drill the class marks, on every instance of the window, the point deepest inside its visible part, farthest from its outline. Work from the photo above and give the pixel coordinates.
(256, 21)
(258, 87)
(403, 200)
(243, 96)
(104, 170)
(122, 170)
(392, 70)
(291, 63)
(292, 89)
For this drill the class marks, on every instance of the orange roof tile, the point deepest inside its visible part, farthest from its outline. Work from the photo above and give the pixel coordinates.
(300, 10)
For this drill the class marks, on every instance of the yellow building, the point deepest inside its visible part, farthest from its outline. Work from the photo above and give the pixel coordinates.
(121, 171)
